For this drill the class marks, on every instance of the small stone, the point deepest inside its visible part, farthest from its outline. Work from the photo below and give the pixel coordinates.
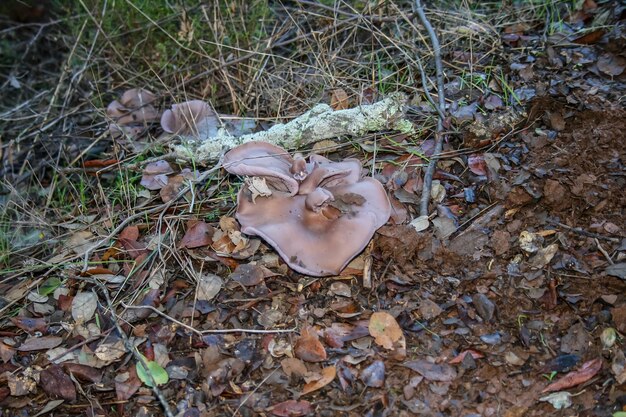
(484, 306)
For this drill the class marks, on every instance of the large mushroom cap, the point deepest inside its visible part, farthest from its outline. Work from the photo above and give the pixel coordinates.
(262, 159)
(307, 240)
(323, 222)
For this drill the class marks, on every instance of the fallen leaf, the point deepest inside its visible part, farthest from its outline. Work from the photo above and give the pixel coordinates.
(587, 371)
(30, 324)
(80, 242)
(83, 372)
(159, 375)
(292, 408)
(40, 343)
(154, 182)
(308, 347)
(126, 384)
(616, 270)
(543, 256)
(476, 164)
(293, 366)
(110, 351)
(21, 384)
(6, 353)
(374, 375)
(84, 306)
(611, 64)
(209, 285)
(459, 358)
(49, 286)
(432, 371)
(385, 329)
(420, 223)
(57, 383)
(328, 374)
(129, 232)
(339, 99)
(198, 234)
(248, 275)
(558, 400)
(590, 38)
(173, 187)
(51, 405)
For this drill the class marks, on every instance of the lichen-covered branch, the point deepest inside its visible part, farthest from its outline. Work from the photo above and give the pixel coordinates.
(319, 123)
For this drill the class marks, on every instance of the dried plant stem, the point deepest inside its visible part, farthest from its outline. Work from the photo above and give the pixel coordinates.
(441, 108)
(214, 331)
(129, 346)
(161, 207)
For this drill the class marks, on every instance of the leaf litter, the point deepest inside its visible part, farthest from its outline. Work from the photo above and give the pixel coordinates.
(523, 291)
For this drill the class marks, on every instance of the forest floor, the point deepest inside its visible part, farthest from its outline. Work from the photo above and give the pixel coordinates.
(512, 303)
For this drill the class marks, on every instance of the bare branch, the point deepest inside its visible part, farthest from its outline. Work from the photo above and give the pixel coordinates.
(441, 108)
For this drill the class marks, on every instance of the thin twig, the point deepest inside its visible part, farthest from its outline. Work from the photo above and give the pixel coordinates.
(604, 252)
(161, 207)
(215, 331)
(441, 108)
(241, 404)
(581, 231)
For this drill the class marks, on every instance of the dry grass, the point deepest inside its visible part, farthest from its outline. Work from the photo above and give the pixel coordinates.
(255, 58)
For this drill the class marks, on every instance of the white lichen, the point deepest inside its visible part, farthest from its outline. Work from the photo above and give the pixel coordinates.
(319, 123)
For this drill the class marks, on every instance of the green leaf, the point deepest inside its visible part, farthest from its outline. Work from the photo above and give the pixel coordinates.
(49, 286)
(620, 414)
(158, 373)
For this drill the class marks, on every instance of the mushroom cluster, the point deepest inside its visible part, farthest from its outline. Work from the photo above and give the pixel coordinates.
(132, 113)
(317, 214)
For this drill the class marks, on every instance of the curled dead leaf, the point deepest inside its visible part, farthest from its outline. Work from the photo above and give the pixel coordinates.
(327, 376)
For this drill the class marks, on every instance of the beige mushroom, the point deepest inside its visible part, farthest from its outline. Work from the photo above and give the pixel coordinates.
(323, 225)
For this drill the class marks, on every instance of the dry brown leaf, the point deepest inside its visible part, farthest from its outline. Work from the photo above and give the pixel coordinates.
(309, 348)
(587, 371)
(57, 383)
(339, 99)
(328, 374)
(198, 234)
(292, 408)
(40, 343)
(173, 187)
(385, 329)
(293, 366)
(459, 358)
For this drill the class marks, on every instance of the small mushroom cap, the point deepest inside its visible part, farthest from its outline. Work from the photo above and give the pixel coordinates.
(137, 97)
(318, 199)
(262, 159)
(131, 112)
(187, 118)
(308, 241)
(326, 173)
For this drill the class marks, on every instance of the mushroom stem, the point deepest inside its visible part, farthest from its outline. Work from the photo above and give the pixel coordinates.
(298, 167)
